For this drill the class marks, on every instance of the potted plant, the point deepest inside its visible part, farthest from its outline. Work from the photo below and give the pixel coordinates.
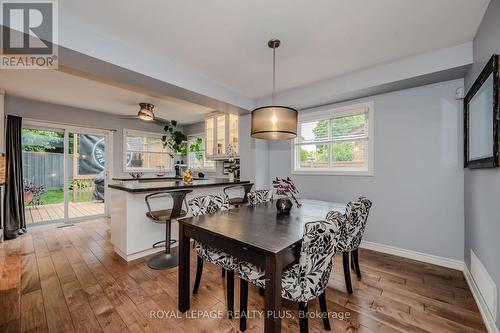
(33, 193)
(285, 188)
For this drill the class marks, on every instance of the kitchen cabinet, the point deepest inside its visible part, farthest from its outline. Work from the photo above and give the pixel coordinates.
(221, 129)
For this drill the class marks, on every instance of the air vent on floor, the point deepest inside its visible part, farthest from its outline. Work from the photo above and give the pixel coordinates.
(484, 283)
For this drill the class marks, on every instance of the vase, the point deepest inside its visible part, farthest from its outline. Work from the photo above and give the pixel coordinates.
(284, 205)
(231, 177)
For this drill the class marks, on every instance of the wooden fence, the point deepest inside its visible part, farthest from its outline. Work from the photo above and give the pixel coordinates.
(46, 169)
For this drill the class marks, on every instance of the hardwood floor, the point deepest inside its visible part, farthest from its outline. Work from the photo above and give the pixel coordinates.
(70, 280)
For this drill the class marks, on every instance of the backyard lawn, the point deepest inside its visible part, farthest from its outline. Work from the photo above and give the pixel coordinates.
(53, 197)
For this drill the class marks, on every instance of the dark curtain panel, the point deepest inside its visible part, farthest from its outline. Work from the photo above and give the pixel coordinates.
(15, 223)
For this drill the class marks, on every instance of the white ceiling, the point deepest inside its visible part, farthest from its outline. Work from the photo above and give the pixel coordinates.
(65, 89)
(226, 41)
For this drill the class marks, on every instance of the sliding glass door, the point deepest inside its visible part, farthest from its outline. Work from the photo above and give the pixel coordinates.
(65, 173)
(87, 174)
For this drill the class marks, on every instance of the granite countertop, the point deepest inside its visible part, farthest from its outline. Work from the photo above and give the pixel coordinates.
(171, 184)
(128, 178)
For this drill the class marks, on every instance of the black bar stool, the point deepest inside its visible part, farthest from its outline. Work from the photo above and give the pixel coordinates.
(238, 201)
(166, 259)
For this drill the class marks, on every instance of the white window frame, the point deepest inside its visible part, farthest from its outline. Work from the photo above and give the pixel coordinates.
(201, 135)
(333, 112)
(131, 132)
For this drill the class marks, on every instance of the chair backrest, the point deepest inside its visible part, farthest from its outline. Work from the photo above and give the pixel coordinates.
(259, 196)
(208, 204)
(316, 260)
(352, 223)
(245, 187)
(178, 197)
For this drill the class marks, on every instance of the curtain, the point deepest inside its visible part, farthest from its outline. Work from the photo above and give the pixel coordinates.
(14, 222)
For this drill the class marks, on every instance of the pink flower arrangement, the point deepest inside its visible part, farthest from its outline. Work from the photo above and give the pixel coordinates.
(287, 188)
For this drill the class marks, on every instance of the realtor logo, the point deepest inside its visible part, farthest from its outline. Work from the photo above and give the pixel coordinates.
(29, 34)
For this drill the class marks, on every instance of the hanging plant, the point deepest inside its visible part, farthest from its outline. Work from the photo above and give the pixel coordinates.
(174, 140)
(196, 148)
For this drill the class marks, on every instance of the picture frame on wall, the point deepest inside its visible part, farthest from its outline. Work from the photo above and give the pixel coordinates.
(482, 118)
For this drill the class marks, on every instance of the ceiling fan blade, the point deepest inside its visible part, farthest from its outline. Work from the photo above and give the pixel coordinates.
(161, 121)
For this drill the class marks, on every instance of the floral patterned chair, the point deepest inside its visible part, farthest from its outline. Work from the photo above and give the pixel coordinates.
(259, 196)
(211, 204)
(303, 281)
(352, 224)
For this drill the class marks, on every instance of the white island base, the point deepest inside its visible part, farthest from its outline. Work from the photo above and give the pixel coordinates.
(132, 232)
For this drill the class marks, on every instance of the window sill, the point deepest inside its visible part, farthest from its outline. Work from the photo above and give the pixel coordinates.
(365, 173)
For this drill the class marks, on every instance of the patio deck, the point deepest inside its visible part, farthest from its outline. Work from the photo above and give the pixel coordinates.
(45, 213)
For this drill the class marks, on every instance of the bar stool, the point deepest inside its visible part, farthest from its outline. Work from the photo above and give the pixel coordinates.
(238, 201)
(166, 259)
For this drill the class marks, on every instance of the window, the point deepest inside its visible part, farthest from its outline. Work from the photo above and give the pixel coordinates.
(197, 160)
(335, 141)
(144, 152)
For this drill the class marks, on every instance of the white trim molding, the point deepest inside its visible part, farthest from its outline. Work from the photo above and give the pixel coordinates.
(410, 254)
(329, 112)
(488, 319)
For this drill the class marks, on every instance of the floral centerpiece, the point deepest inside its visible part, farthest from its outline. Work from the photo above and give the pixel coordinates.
(285, 188)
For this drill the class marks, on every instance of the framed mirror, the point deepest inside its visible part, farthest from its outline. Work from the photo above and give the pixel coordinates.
(481, 119)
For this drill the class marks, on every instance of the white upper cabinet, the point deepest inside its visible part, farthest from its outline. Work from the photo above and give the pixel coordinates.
(221, 129)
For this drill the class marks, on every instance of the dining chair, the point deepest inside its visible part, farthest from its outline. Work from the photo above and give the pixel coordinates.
(211, 204)
(238, 201)
(303, 281)
(166, 259)
(259, 196)
(352, 224)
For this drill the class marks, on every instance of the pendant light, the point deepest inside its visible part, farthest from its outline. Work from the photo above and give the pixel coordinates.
(274, 122)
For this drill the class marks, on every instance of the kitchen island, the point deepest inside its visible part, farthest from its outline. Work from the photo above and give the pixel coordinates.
(132, 232)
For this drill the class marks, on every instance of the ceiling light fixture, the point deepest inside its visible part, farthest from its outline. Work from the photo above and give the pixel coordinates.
(146, 112)
(274, 122)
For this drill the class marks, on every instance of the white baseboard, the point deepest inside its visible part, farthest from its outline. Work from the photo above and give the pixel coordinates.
(137, 255)
(488, 319)
(410, 254)
(489, 322)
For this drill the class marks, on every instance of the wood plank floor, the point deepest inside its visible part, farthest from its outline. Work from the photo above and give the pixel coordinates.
(52, 212)
(70, 280)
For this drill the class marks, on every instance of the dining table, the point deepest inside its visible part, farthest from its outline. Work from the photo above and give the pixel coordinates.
(256, 234)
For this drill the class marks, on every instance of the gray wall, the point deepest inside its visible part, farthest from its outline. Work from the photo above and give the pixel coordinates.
(52, 112)
(417, 189)
(482, 187)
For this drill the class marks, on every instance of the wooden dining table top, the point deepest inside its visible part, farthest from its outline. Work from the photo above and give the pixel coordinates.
(260, 226)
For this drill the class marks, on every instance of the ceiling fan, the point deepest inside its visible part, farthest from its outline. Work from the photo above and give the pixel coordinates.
(146, 114)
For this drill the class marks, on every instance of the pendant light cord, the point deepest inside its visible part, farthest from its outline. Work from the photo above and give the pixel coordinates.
(274, 76)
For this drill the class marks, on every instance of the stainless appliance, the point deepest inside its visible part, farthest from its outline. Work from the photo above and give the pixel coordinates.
(179, 170)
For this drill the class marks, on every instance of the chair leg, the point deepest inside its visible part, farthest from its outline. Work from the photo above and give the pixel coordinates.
(243, 304)
(261, 291)
(230, 294)
(304, 325)
(355, 259)
(352, 262)
(324, 311)
(347, 273)
(223, 272)
(168, 243)
(199, 270)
